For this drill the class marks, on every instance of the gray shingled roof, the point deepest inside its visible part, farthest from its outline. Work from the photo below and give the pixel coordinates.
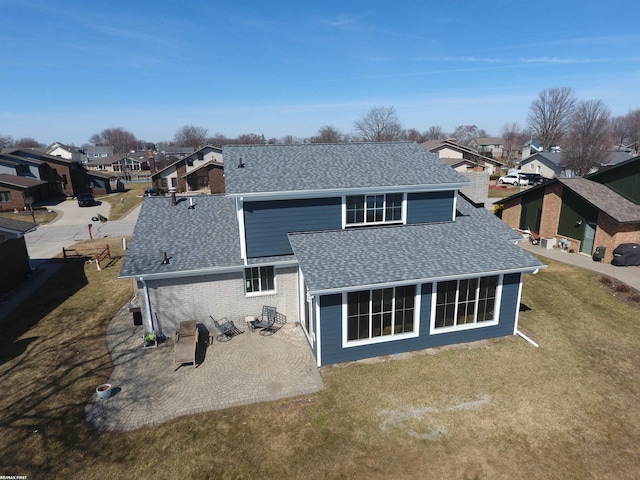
(605, 199)
(317, 167)
(477, 242)
(199, 239)
(16, 225)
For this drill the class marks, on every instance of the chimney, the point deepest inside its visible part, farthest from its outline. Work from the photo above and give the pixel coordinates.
(174, 202)
(240, 164)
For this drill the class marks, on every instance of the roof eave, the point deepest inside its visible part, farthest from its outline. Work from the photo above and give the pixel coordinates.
(335, 192)
(329, 291)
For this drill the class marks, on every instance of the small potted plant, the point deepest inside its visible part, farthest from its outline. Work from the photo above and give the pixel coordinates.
(150, 340)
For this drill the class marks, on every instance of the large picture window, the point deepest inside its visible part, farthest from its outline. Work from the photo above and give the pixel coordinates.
(374, 209)
(259, 279)
(381, 313)
(466, 303)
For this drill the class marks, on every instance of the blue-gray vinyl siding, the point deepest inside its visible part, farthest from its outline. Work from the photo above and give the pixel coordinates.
(268, 223)
(427, 207)
(331, 327)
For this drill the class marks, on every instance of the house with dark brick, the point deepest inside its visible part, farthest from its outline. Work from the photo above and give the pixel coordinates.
(599, 210)
(367, 247)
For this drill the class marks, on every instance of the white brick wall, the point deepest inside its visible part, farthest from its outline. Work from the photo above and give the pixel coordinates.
(221, 296)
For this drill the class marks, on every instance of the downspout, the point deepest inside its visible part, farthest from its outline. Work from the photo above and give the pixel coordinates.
(147, 303)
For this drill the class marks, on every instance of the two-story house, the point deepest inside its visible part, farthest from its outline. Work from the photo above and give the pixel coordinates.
(198, 170)
(367, 245)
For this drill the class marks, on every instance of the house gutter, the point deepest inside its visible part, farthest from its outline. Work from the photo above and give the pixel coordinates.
(147, 303)
(354, 288)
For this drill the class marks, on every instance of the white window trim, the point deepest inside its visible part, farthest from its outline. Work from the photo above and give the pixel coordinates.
(403, 214)
(260, 293)
(467, 326)
(385, 338)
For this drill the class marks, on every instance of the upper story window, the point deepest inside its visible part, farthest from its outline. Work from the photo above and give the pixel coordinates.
(374, 209)
(466, 303)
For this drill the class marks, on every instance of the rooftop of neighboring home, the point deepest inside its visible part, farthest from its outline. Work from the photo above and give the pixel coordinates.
(605, 199)
(19, 182)
(329, 168)
(18, 226)
(488, 141)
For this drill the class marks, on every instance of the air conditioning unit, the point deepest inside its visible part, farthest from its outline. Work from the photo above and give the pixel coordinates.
(548, 243)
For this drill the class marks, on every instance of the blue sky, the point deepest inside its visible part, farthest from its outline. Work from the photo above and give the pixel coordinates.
(69, 69)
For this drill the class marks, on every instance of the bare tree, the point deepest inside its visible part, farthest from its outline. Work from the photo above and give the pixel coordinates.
(6, 141)
(465, 133)
(380, 124)
(190, 136)
(328, 134)
(588, 141)
(251, 139)
(434, 133)
(218, 140)
(414, 135)
(633, 129)
(550, 115)
(122, 140)
(512, 136)
(28, 142)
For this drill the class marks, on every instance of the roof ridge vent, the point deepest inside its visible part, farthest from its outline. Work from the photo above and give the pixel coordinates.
(240, 163)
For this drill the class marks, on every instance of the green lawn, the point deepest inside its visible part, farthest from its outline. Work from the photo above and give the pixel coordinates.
(498, 409)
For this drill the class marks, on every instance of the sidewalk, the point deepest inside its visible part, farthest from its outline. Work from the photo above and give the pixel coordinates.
(628, 275)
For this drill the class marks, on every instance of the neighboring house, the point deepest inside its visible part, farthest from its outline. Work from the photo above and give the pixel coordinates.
(18, 192)
(600, 210)
(58, 149)
(198, 170)
(121, 164)
(489, 146)
(547, 164)
(453, 154)
(14, 257)
(63, 176)
(367, 245)
(551, 164)
(97, 152)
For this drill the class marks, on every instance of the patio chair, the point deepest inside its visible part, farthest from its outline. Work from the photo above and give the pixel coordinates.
(227, 329)
(269, 322)
(185, 344)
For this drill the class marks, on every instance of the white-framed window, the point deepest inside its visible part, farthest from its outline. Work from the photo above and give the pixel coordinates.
(259, 280)
(380, 315)
(374, 209)
(466, 303)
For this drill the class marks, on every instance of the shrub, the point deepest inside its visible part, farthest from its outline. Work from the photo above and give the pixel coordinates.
(623, 288)
(606, 280)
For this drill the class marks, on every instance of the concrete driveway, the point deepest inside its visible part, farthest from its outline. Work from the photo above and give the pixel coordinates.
(71, 226)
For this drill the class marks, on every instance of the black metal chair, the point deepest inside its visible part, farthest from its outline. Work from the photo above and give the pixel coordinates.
(227, 329)
(269, 322)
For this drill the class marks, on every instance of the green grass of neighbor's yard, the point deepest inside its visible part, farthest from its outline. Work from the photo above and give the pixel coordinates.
(497, 409)
(122, 202)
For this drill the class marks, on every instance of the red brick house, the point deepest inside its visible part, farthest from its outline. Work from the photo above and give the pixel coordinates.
(599, 210)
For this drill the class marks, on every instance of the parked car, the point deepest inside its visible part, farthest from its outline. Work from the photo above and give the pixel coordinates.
(513, 180)
(86, 200)
(534, 178)
(151, 192)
